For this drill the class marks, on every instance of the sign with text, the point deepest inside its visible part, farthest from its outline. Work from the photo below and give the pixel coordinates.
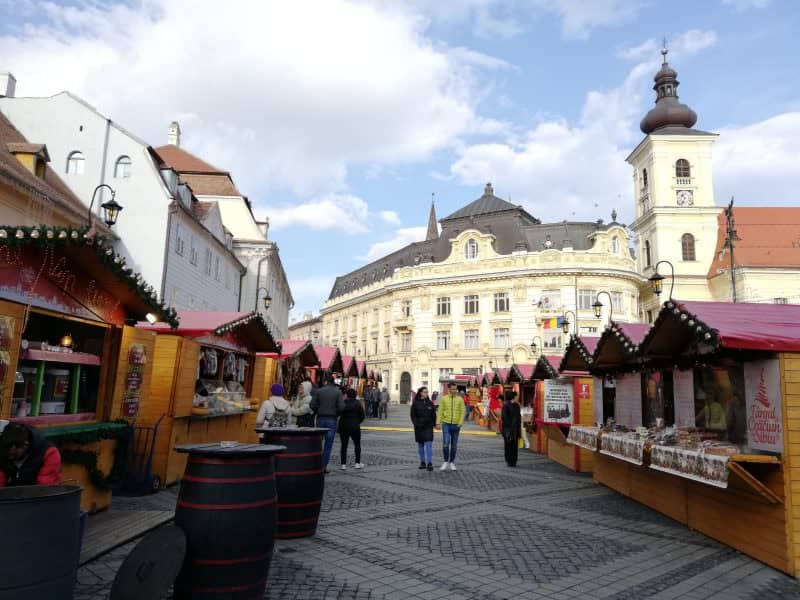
(558, 401)
(598, 400)
(762, 388)
(683, 393)
(628, 400)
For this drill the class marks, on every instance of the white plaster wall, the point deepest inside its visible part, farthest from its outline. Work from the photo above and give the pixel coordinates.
(65, 124)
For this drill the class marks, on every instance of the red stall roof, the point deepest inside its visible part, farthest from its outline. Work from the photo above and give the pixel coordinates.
(330, 358)
(362, 369)
(302, 349)
(198, 323)
(619, 345)
(546, 367)
(522, 372)
(578, 355)
(740, 326)
(349, 367)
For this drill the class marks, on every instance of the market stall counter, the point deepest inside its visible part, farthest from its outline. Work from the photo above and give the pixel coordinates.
(69, 364)
(705, 428)
(207, 382)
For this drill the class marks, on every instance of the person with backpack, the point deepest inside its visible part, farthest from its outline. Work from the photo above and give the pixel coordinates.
(275, 410)
(350, 427)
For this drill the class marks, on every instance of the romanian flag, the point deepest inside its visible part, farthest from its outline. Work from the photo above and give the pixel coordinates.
(553, 323)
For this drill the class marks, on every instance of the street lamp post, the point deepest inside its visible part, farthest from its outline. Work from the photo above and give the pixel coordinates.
(731, 237)
(657, 279)
(598, 306)
(534, 347)
(111, 208)
(267, 298)
(565, 321)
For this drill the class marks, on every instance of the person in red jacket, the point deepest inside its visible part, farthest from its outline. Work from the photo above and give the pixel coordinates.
(27, 458)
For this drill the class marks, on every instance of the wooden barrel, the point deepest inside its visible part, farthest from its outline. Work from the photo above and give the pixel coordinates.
(226, 507)
(300, 478)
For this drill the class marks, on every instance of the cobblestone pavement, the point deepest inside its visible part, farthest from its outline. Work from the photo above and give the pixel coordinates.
(485, 532)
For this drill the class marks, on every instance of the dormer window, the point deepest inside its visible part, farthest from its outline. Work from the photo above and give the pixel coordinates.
(75, 163)
(471, 249)
(122, 168)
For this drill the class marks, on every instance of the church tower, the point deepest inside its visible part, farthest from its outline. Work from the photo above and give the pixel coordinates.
(433, 227)
(676, 217)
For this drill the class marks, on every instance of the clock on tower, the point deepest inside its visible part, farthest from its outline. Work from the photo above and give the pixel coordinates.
(685, 197)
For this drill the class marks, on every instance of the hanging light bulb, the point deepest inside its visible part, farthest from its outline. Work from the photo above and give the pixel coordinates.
(35, 233)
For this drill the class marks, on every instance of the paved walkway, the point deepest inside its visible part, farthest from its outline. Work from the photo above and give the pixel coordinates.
(486, 532)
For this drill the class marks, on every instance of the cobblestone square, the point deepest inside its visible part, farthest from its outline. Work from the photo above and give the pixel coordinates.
(483, 532)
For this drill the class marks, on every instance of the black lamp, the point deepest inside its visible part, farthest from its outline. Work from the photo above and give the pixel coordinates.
(111, 211)
(598, 306)
(565, 321)
(267, 298)
(657, 279)
(534, 347)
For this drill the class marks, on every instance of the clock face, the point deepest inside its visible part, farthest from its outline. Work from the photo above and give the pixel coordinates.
(685, 198)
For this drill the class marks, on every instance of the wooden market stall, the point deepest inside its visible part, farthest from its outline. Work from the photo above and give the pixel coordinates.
(721, 384)
(330, 362)
(69, 363)
(349, 371)
(208, 382)
(295, 358)
(361, 367)
(546, 368)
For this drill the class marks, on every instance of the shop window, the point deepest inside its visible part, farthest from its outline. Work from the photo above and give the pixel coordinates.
(471, 249)
(657, 398)
(75, 163)
(442, 340)
(471, 339)
(471, 305)
(443, 306)
(122, 168)
(502, 337)
(501, 302)
(687, 246)
(719, 402)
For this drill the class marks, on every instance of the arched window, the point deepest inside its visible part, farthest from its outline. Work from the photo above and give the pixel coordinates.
(644, 178)
(687, 246)
(615, 245)
(471, 249)
(75, 163)
(122, 168)
(647, 261)
(682, 168)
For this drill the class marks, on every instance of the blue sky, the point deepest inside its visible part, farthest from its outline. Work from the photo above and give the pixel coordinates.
(340, 118)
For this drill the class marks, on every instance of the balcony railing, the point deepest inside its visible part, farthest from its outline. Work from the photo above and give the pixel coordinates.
(683, 180)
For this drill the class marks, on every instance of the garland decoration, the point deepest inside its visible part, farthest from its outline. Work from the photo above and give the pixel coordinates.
(88, 434)
(47, 237)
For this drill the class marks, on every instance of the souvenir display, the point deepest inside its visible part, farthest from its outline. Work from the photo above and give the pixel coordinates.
(584, 436)
(625, 445)
(707, 463)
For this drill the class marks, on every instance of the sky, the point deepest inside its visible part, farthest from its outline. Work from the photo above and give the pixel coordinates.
(340, 119)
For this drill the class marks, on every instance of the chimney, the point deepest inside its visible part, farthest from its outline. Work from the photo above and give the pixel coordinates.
(7, 85)
(263, 226)
(174, 134)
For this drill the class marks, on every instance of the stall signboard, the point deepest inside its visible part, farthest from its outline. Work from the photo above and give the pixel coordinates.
(134, 375)
(763, 399)
(597, 400)
(558, 401)
(683, 393)
(628, 400)
(6, 337)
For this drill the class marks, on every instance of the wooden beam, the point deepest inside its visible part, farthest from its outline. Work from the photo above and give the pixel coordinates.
(761, 489)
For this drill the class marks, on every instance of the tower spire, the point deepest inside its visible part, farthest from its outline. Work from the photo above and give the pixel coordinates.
(433, 228)
(668, 110)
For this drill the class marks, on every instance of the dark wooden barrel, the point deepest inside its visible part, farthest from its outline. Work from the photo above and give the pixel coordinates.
(39, 541)
(300, 478)
(226, 507)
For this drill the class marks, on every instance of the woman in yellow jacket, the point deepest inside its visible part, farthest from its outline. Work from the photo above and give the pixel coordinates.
(451, 417)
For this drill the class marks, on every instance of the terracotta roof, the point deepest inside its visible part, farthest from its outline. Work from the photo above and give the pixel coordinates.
(201, 209)
(52, 186)
(185, 162)
(210, 184)
(769, 237)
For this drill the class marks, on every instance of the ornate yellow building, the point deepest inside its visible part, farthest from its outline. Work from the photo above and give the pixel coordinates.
(480, 293)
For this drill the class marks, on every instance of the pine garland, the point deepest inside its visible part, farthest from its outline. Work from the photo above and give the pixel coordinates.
(115, 430)
(48, 236)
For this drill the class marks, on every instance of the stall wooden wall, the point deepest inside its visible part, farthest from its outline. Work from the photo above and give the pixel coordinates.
(15, 312)
(264, 375)
(790, 393)
(574, 457)
(92, 498)
(130, 336)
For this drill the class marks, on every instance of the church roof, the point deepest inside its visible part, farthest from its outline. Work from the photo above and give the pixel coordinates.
(488, 203)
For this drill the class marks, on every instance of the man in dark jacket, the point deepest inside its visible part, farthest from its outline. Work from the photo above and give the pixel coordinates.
(328, 404)
(511, 422)
(27, 458)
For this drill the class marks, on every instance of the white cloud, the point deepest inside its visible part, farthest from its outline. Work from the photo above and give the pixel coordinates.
(402, 237)
(690, 42)
(580, 17)
(390, 217)
(757, 163)
(282, 100)
(742, 5)
(326, 212)
(308, 293)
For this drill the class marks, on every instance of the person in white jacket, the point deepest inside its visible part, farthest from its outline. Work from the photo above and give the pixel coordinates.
(275, 411)
(301, 406)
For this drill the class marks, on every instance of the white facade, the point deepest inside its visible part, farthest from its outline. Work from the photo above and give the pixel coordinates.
(88, 149)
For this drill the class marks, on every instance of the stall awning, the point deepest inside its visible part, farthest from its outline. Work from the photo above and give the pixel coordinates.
(361, 366)
(578, 355)
(520, 373)
(619, 346)
(303, 350)
(80, 276)
(547, 367)
(684, 326)
(330, 359)
(349, 367)
(250, 327)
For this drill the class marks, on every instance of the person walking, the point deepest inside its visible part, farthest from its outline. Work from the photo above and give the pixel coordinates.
(274, 411)
(423, 417)
(383, 409)
(301, 406)
(370, 399)
(512, 427)
(451, 418)
(328, 404)
(350, 427)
